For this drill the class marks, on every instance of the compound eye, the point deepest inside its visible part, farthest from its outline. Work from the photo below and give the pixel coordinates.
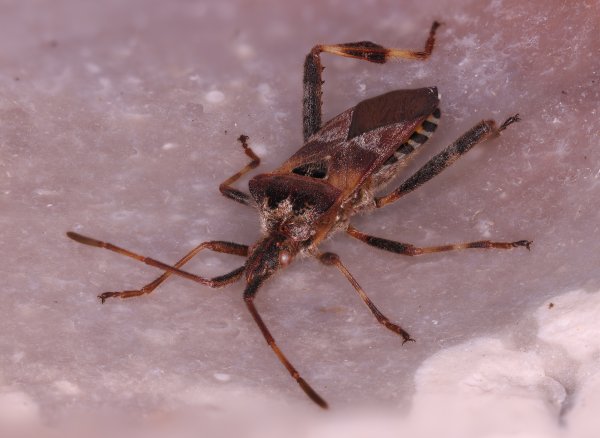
(284, 258)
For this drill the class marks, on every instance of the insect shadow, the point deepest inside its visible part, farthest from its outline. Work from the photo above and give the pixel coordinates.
(335, 175)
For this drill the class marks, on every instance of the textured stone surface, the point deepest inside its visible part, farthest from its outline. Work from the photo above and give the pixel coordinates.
(118, 120)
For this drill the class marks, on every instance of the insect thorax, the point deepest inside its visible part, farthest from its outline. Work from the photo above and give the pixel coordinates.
(292, 205)
(288, 219)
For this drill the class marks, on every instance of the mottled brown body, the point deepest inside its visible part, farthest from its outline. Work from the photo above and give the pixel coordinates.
(338, 170)
(338, 173)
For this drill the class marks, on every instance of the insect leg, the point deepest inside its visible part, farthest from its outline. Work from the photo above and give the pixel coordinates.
(365, 50)
(225, 187)
(217, 246)
(411, 250)
(249, 295)
(220, 281)
(433, 167)
(331, 259)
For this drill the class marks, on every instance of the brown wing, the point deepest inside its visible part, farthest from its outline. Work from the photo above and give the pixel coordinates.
(395, 107)
(357, 142)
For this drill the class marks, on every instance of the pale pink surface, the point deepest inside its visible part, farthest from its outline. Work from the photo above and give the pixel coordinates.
(119, 121)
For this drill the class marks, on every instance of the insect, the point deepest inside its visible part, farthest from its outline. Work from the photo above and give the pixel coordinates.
(335, 175)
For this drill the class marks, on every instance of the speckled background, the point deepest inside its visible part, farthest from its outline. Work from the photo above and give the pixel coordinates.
(118, 120)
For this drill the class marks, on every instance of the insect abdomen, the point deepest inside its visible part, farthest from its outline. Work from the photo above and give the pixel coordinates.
(420, 136)
(396, 161)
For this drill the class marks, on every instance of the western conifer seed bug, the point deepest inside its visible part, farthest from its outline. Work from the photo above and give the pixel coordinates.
(335, 175)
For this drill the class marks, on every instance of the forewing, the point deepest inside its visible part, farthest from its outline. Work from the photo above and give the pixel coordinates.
(395, 107)
(354, 144)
